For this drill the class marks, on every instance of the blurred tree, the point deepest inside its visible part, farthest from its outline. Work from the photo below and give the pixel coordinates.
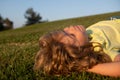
(1, 23)
(32, 17)
(5, 24)
(1, 18)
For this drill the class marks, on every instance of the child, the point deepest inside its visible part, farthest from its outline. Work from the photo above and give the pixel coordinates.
(74, 49)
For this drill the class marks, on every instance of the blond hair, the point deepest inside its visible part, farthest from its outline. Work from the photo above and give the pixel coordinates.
(56, 58)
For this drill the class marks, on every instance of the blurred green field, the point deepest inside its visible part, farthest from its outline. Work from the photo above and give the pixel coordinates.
(19, 46)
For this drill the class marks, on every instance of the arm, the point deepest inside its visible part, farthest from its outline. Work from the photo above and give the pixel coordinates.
(108, 69)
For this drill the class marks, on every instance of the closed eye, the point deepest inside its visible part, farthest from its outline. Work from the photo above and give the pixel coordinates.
(72, 35)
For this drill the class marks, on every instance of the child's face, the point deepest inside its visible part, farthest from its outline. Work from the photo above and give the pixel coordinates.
(74, 35)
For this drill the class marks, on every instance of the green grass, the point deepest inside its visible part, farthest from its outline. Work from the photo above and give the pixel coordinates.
(19, 46)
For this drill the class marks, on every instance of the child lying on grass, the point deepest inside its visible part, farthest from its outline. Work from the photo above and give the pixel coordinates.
(75, 49)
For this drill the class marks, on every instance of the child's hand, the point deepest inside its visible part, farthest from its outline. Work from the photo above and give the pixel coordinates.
(117, 58)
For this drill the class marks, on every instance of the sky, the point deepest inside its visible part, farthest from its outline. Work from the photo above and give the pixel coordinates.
(52, 10)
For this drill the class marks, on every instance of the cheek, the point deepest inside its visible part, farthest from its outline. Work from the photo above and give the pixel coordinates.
(69, 41)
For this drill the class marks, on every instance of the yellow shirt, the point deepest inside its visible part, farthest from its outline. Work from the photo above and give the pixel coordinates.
(107, 33)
